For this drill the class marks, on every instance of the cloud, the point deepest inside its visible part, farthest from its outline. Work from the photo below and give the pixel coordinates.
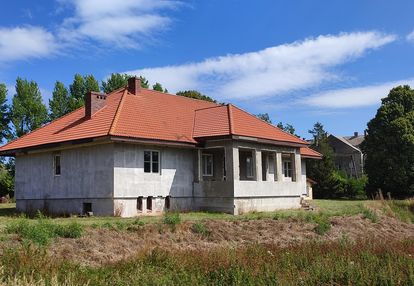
(354, 97)
(410, 37)
(120, 23)
(26, 42)
(269, 72)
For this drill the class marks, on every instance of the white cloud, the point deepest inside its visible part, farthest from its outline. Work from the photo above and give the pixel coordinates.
(410, 37)
(121, 23)
(26, 42)
(269, 72)
(354, 97)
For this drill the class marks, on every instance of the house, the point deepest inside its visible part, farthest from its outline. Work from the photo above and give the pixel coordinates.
(138, 151)
(348, 155)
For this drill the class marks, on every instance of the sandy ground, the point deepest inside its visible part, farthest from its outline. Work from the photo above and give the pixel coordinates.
(99, 246)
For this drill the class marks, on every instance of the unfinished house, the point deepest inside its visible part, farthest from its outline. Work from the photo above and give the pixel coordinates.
(138, 152)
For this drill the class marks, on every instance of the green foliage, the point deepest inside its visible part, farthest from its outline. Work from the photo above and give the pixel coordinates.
(389, 145)
(351, 188)
(201, 229)
(370, 214)
(6, 182)
(59, 104)
(42, 230)
(172, 219)
(287, 128)
(195, 94)
(158, 87)
(402, 209)
(144, 82)
(5, 131)
(114, 82)
(265, 117)
(80, 86)
(28, 111)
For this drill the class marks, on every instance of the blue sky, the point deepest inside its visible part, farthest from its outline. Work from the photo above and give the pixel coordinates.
(299, 61)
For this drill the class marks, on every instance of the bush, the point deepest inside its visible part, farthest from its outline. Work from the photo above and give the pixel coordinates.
(348, 187)
(72, 230)
(200, 228)
(172, 219)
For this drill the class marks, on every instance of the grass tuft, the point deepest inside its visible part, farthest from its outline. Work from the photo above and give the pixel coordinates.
(370, 214)
(201, 229)
(172, 219)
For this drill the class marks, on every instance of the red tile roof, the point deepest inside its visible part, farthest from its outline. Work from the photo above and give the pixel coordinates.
(156, 116)
(307, 152)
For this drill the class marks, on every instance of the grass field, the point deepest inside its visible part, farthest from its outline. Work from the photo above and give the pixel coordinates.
(366, 236)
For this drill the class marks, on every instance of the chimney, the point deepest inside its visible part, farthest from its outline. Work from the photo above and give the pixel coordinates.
(94, 102)
(356, 134)
(134, 85)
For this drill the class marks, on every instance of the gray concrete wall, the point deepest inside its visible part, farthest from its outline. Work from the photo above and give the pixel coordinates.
(86, 176)
(175, 178)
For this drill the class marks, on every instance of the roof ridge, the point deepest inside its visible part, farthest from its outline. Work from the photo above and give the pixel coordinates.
(199, 109)
(287, 133)
(117, 112)
(230, 114)
(181, 96)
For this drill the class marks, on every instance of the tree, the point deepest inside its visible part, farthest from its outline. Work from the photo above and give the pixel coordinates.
(4, 114)
(80, 86)
(28, 111)
(265, 117)
(59, 104)
(158, 87)
(195, 94)
(117, 80)
(287, 128)
(322, 171)
(389, 145)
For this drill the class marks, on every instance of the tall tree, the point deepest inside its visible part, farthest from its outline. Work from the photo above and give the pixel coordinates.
(28, 111)
(265, 117)
(389, 145)
(59, 104)
(195, 94)
(91, 84)
(77, 92)
(117, 80)
(4, 114)
(322, 171)
(158, 87)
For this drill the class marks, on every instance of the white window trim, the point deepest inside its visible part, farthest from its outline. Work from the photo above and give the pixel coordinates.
(205, 174)
(54, 164)
(159, 162)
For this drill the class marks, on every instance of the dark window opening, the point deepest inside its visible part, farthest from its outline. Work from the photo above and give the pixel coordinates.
(151, 161)
(167, 202)
(56, 164)
(207, 160)
(87, 208)
(149, 204)
(139, 203)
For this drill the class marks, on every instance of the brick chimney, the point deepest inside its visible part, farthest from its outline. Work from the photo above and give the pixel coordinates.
(134, 85)
(94, 102)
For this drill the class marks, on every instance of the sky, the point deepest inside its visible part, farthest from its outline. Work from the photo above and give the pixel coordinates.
(300, 61)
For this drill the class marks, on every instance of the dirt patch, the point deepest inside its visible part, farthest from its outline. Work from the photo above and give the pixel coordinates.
(100, 246)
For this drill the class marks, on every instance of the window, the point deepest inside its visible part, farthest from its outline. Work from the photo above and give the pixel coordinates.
(167, 202)
(149, 204)
(151, 161)
(287, 169)
(87, 208)
(249, 166)
(207, 164)
(56, 163)
(139, 204)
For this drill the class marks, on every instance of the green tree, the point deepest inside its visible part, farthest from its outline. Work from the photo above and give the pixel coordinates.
(322, 171)
(195, 94)
(91, 84)
(59, 104)
(389, 145)
(77, 92)
(265, 117)
(5, 114)
(158, 87)
(287, 128)
(117, 80)
(28, 111)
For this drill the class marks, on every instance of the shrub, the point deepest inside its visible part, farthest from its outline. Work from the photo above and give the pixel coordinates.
(72, 230)
(370, 214)
(172, 219)
(200, 228)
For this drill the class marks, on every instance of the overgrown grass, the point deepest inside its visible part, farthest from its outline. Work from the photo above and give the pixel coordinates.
(201, 229)
(172, 219)
(42, 230)
(313, 263)
(370, 214)
(402, 209)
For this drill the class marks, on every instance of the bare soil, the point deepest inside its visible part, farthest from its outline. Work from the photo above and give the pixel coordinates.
(101, 246)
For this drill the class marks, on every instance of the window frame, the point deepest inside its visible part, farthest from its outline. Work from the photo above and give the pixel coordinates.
(205, 166)
(55, 165)
(288, 170)
(151, 162)
(252, 165)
